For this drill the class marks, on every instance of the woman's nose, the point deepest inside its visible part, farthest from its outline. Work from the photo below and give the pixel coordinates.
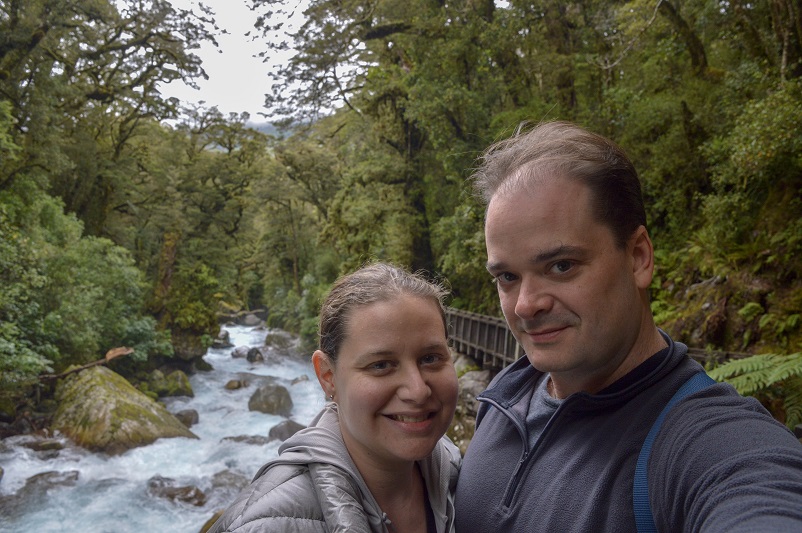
(414, 387)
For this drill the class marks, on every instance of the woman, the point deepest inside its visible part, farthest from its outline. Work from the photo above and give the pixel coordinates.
(375, 458)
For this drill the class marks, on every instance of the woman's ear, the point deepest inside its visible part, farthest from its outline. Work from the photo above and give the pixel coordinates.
(324, 370)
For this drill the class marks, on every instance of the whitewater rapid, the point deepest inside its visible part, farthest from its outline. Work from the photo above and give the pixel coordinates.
(111, 494)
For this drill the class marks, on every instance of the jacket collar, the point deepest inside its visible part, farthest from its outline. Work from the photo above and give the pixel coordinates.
(517, 380)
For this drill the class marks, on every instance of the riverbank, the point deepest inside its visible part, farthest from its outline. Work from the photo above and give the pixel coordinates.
(171, 485)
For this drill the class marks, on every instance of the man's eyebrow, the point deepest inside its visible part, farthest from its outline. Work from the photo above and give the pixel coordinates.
(559, 251)
(494, 266)
(543, 256)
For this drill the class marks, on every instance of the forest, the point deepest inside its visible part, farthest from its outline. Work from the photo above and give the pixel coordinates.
(129, 219)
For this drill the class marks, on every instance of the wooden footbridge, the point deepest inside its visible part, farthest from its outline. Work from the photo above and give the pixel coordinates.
(490, 343)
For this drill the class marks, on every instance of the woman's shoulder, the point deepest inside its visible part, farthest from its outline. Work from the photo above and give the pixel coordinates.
(281, 498)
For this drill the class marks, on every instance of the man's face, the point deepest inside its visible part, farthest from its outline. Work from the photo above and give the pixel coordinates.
(571, 297)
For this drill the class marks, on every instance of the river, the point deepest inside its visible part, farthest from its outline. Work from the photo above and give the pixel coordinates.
(111, 494)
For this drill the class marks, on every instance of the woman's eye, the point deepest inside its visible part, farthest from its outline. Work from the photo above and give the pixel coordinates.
(431, 359)
(379, 365)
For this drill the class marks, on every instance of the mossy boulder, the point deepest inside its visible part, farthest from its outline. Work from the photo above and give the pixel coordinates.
(187, 344)
(100, 411)
(176, 383)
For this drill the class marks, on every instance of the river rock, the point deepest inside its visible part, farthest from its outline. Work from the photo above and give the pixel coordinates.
(272, 399)
(188, 417)
(284, 430)
(463, 364)
(176, 383)
(44, 445)
(249, 319)
(33, 493)
(300, 379)
(280, 340)
(235, 384)
(240, 352)
(255, 355)
(255, 440)
(225, 479)
(223, 340)
(248, 378)
(187, 344)
(201, 365)
(470, 385)
(170, 489)
(100, 411)
(464, 423)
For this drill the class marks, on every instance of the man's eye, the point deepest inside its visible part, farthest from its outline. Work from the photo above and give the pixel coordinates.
(379, 365)
(505, 277)
(561, 267)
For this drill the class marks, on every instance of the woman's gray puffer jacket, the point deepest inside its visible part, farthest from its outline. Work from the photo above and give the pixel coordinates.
(314, 486)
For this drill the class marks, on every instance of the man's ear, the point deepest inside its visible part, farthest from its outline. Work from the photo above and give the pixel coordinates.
(324, 370)
(642, 254)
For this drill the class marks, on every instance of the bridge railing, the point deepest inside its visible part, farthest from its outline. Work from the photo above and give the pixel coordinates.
(484, 338)
(490, 343)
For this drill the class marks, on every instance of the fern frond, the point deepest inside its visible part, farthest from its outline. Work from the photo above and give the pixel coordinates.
(749, 384)
(789, 366)
(792, 401)
(760, 372)
(748, 365)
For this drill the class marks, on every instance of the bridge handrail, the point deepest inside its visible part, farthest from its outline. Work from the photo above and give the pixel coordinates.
(485, 338)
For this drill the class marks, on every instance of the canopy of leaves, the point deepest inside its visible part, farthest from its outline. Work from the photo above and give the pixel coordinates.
(106, 209)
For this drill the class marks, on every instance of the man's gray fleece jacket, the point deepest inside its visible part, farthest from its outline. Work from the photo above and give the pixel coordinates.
(314, 486)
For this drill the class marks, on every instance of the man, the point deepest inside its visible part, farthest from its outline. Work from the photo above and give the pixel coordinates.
(559, 431)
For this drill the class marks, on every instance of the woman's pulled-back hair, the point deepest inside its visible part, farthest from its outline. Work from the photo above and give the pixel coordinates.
(563, 149)
(376, 282)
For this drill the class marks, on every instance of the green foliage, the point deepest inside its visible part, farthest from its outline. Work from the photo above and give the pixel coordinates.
(767, 376)
(192, 300)
(8, 148)
(391, 103)
(756, 163)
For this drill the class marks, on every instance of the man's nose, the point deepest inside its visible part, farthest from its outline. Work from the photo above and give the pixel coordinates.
(533, 297)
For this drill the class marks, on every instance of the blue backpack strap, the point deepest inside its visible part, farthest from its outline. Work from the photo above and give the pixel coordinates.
(640, 492)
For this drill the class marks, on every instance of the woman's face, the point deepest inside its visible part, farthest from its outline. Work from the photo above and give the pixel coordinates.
(394, 381)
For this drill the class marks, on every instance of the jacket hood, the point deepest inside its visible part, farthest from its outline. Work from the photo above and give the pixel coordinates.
(345, 499)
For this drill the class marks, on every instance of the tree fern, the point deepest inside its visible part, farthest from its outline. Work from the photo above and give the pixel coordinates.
(755, 375)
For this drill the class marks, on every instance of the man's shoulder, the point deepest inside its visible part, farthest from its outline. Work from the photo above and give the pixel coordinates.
(729, 461)
(719, 413)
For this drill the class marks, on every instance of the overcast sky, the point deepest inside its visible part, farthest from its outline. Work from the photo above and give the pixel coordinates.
(237, 80)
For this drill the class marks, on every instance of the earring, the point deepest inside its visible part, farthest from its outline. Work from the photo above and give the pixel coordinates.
(331, 397)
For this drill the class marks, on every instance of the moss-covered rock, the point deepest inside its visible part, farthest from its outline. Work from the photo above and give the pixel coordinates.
(188, 344)
(99, 410)
(176, 383)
